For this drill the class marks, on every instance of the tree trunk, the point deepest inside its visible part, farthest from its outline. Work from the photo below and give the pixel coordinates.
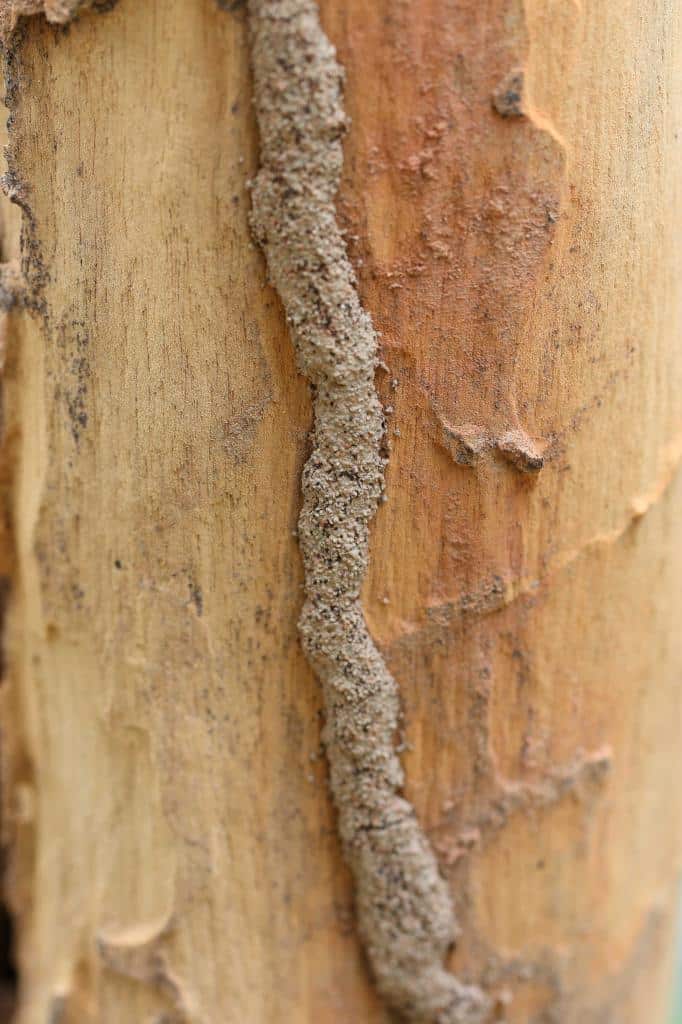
(511, 197)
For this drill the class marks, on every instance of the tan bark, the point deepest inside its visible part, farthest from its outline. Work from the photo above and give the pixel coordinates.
(512, 202)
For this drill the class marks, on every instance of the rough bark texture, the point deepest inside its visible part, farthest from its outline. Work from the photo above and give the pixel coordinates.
(511, 200)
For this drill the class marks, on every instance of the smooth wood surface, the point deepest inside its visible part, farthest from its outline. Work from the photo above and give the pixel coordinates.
(173, 847)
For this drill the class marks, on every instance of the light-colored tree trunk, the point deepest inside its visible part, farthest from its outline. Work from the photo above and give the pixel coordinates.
(512, 202)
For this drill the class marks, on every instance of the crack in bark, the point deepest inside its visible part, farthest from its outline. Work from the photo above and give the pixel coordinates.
(405, 915)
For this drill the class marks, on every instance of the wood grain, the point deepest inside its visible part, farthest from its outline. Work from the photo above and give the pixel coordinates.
(174, 850)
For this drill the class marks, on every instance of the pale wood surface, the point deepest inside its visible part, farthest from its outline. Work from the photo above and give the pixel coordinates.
(174, 846)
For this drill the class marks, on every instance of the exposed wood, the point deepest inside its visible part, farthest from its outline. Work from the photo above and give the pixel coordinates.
(512, 199)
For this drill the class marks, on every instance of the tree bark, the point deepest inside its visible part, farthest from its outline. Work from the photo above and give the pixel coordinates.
(511, 203)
